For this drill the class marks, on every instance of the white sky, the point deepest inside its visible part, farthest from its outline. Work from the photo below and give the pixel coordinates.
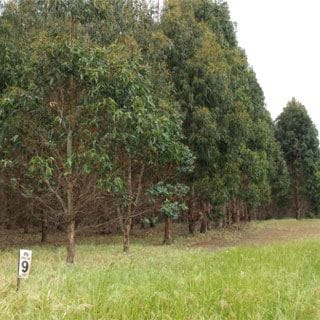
(282, 41)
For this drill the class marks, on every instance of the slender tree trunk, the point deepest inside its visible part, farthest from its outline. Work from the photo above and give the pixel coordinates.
(70, 209)
(237, 211)
(224, 218)
(71, 241)
(278, 211)
(152, 223)
(233, 212)
(227, 218)
(242, 212)
(126, 235)
(168, 231)
(191, 217)
(26, 227)
(204, 223)
(297, 203)
(4, 206)
(249, 213)
(127, 223)
(44, 227)
(192, 226)
(71, 214)
(203, 217)
(246, 212)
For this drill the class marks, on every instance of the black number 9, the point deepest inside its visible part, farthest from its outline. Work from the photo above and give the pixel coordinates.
(25, 266)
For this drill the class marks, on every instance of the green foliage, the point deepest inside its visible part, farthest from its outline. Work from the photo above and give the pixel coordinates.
(298, 137)
(172, 209)
(166, 190)
(226, 124)
(169, 193)
(39, 166)
(299, 141)
(313, 189)
(73, 81)
(134, 101)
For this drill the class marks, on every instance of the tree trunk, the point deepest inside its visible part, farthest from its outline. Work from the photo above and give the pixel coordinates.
(297, 203)
(205, 207)
(232, 219)
(192, 218)
(168, 231)
(26, 226)
(71, 214)
(229, 214)
(44, 227)
(246, 213)
(70, 210)
(224, 217)
(126, 236)
(204, 223)
(249, 213)
(4, 206)
(127, 222)
(192, 226)
(71, 241)
(238, 211)
(152, 223)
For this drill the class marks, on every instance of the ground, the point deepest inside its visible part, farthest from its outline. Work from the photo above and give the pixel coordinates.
(255, 233)
(262, 270)
(262, 233)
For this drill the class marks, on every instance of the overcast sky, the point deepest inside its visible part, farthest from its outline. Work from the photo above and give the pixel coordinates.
(282, 41)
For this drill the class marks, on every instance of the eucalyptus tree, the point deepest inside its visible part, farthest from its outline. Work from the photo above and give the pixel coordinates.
(146, 134)
(200, 73)
(226, 124)
(172, 196)
(82, 118)
(298, 138)
(53, 120)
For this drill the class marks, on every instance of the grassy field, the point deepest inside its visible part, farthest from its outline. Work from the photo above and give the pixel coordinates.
(222, 275)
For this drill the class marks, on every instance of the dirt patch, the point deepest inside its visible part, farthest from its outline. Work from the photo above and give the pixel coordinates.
(285, 231)
(254, 233)
(260, 233)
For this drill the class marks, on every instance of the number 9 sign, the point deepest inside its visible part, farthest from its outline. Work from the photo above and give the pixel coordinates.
(24, 263)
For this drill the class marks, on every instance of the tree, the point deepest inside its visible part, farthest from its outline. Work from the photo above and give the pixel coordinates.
(172, 204)
(145, 136)
(298, 138)
(81, 119)
(226, 124)
(55, 115)
(102, 122)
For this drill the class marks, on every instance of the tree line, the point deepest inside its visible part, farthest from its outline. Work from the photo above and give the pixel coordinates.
(112, 115)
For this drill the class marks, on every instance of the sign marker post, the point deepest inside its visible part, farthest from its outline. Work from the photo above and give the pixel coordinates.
(23, 265)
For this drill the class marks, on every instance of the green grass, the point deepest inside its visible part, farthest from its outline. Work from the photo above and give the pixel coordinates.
(279, 281)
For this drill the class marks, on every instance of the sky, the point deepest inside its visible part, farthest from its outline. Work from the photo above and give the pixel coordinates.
(282, 42)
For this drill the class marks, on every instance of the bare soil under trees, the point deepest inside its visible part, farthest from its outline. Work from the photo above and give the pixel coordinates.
(254, 233)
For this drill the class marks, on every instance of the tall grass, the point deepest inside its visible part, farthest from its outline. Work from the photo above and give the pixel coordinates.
(272, 282)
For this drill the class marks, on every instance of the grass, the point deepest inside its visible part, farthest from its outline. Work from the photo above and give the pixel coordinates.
(273, 281)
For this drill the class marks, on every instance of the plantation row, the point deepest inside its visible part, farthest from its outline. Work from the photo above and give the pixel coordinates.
(112, 114)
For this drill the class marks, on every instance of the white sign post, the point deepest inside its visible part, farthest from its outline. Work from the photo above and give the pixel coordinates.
(24, 265)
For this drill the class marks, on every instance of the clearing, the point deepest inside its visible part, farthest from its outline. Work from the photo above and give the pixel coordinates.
(261, 233)
(264, 270)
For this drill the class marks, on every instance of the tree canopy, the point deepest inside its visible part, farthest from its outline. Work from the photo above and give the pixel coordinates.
(299, 141)
(109, 116)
